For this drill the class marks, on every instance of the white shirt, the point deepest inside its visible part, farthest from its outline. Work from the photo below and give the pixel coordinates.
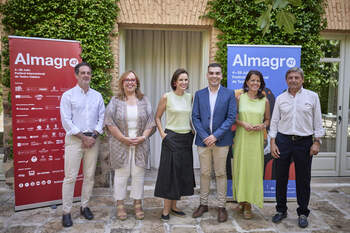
(82, 112)
(212, 101)
(300, 115)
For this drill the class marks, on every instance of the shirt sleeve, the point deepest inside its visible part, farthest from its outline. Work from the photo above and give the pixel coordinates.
(318, 128)
(101, 114)
(66, 115)
(275, 119)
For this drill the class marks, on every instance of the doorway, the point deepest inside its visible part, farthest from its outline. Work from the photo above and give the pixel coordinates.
(334, 156)
(154, 55)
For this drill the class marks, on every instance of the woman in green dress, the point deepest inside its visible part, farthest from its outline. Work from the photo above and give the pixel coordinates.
(248, 157)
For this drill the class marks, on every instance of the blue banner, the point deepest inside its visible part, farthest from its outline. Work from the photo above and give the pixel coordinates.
(272, 61)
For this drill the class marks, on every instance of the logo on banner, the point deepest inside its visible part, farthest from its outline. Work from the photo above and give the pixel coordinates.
(57, 62)
(274, 63)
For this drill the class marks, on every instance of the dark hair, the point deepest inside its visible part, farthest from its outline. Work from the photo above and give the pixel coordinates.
(260, 95)
(77, 67)
(214, 65)
(176, 77)
(120, 91)
(295, 70)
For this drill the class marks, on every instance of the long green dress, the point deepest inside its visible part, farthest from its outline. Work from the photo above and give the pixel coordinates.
(248, 156)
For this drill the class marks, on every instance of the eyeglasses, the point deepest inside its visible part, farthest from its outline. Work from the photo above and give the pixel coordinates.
(84, 72)
(132, 80)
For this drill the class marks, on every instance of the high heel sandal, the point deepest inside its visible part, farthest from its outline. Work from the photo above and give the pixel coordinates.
(247, 212)
(121, 212)
(240, 207)
(139, 214)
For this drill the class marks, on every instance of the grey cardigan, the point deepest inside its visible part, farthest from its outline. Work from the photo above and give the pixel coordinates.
(115, 115)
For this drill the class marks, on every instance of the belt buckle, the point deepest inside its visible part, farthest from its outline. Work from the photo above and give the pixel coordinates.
(294, 137)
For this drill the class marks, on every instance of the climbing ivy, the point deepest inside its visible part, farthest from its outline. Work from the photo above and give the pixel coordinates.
(89, 21)
(238, 22)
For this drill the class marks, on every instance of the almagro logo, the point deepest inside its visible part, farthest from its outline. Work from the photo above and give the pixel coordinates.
(57, 62)
(274, 63)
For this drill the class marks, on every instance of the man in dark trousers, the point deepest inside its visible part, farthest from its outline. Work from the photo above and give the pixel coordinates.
(296, 131)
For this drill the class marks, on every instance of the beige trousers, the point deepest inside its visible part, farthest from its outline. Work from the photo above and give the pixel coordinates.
(122, 175)
(73, 153)
(208, 155)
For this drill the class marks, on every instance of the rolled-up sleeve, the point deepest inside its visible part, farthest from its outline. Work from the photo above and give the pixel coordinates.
(101, 113)
(274, 120)
(67, 116)
(318, 128)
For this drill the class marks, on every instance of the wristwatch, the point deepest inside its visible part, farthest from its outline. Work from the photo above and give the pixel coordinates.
(318, 140)
(94, 135)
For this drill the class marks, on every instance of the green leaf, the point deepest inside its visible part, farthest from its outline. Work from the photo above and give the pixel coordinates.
(280, 4)
(259, 1)
(286, 20)
(264, 19)
(295, 2)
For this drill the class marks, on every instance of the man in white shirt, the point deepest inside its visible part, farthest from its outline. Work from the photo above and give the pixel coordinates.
(295, 131)
(82, 113)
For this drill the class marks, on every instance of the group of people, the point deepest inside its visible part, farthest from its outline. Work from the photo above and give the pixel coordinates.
(295, 131)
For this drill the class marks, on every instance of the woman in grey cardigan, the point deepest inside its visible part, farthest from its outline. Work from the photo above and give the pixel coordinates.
(130, 122)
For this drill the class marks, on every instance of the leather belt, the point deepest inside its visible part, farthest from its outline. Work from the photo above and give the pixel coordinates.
(89, 134)
(296, 137)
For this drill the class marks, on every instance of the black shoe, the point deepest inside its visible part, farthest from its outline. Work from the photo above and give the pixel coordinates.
(302, 221)
(279, 216)
(178, 213)
(67, 220)
(165, 218)
(86, 212)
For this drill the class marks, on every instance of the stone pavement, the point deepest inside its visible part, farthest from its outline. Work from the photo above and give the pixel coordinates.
(330, 212)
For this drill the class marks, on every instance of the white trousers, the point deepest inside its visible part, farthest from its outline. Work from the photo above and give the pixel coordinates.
(73, 153)
(122, 175)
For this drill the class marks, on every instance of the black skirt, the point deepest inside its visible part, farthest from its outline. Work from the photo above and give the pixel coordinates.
(175, 173)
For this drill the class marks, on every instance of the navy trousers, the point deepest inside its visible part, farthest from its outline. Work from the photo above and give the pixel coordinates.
(298, 151)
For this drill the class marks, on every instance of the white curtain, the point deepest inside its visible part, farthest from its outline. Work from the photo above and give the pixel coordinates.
(154, 55)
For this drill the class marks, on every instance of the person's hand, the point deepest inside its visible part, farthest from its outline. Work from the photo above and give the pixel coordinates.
(138, 140)
(88, 142)
(127, 141)
(247, 126)
(275, 152)
(163, 136)
(258, 127)
(315, 148)
(210, 140)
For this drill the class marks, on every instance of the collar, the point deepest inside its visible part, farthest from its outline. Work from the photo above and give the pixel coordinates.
(81, 90)
(214, 92)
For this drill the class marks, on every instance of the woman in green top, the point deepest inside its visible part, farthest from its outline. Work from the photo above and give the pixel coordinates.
(175, 174)
(248, 157)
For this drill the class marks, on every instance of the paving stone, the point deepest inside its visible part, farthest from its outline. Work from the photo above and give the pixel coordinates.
(21, 229)
(101, 201)
(346, 190)
(331, 216)
(152, 222)
(211, 225)
(190, 229)
(30, 217)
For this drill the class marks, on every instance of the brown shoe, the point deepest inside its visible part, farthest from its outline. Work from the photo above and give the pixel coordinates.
(200, 211)
(247, 212)
(222, 214)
